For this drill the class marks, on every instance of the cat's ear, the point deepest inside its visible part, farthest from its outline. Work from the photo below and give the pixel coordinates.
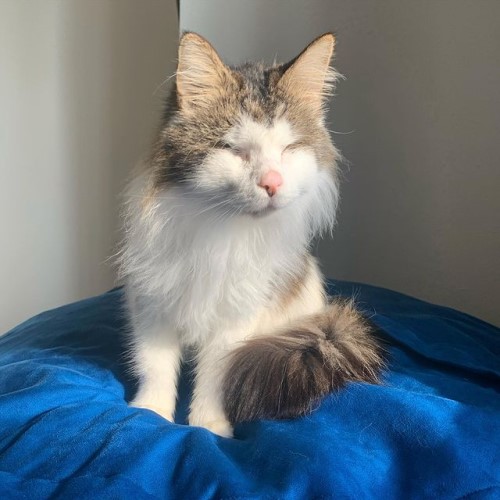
(309, 76)
(201, 75)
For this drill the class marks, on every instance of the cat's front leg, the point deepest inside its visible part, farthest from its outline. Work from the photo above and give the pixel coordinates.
(206, 409)
(156, 362)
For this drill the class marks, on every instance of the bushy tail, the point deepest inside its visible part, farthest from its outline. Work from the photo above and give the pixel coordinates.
(284, 375)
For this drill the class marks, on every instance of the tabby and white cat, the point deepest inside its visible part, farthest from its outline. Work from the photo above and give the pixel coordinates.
(216, 257)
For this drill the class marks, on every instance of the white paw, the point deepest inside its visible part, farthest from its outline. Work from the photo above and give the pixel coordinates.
(220, 427)
(166, 413)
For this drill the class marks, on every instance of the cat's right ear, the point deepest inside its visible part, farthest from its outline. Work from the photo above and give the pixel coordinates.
(201, 75)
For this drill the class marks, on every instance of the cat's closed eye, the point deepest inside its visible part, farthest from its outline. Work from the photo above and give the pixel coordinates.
(235, 150)
(292, 146)
(223, 145)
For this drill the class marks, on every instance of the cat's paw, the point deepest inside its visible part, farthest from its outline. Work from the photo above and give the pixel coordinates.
(166, 413)
(221, 427)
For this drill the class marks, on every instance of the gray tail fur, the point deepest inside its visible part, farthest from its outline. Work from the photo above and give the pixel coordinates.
(285, 375)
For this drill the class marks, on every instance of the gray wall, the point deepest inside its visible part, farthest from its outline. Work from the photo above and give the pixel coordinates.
(419, 120)
(78, 106)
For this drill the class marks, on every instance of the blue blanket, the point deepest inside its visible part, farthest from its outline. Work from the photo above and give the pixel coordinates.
(431, 431)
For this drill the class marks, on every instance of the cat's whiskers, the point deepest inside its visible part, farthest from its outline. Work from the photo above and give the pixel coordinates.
(163, 83)
(213, 207)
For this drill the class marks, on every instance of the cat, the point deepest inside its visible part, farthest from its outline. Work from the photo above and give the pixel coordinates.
(218, 225)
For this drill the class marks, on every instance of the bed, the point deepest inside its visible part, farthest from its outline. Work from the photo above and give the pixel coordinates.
(431, 430)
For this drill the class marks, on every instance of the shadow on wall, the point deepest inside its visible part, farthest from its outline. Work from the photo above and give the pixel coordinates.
(420, 204)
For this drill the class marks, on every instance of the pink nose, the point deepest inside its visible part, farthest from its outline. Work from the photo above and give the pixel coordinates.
(271, 181)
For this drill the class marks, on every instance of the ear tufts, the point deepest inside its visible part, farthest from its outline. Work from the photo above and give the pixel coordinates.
(309, 76)
(201, 74)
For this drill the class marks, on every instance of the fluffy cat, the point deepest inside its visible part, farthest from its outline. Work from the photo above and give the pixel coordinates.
(216, 256)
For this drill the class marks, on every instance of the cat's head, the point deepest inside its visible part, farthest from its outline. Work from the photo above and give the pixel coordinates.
(249, 139)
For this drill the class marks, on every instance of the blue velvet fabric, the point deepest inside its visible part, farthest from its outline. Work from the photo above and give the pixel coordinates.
(432, 430)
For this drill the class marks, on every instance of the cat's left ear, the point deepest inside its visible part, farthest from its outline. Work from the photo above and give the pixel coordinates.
(309, 76)
(201, 74)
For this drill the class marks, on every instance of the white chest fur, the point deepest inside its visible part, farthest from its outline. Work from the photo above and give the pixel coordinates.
(204, 273)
